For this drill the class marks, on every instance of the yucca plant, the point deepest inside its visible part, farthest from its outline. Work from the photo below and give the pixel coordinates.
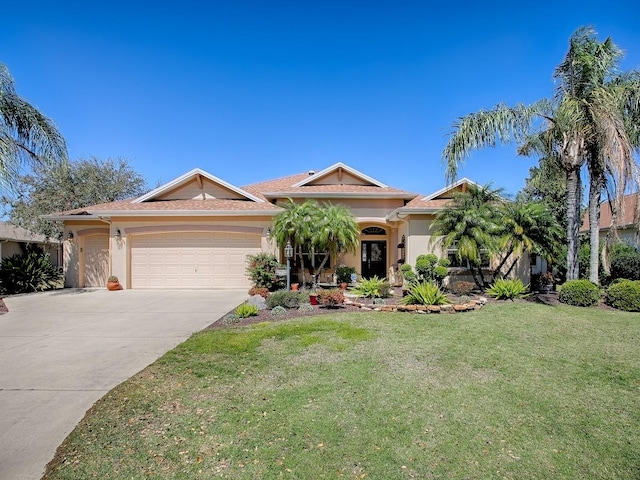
(424, 293)
(507, 289)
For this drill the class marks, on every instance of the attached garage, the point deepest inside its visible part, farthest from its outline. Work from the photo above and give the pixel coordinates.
(96, 260)
(195, 260)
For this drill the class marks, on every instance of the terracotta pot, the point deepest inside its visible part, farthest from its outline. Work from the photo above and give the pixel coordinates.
(114, 286)
(294, 287)
(343, 285)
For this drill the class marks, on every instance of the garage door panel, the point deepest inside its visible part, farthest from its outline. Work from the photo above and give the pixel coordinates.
(196, 260)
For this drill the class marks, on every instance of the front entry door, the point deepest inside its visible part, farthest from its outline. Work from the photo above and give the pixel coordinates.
(374, 258)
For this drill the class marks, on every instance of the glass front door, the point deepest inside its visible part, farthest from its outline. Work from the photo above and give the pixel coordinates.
(374, 258)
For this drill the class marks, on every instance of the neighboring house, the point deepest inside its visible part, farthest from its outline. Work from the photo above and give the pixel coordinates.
(628, 221)
(12, 236)
(197, 230)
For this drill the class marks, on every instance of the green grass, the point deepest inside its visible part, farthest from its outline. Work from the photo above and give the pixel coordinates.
(517, 391)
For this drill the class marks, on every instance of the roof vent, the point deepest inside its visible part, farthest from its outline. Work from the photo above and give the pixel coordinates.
(311, 172)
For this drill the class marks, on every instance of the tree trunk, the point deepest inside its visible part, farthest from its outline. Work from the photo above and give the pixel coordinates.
(573, 216)
(302, 277)
(595, 190)
(477, 281)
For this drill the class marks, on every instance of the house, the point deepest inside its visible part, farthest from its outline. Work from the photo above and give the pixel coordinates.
(628, 220)
(11, 238)
(197, 230)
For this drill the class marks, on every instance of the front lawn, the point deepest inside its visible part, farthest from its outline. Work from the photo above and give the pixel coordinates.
(516, 391)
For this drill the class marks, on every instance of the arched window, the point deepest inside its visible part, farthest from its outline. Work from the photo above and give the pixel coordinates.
(374, 231)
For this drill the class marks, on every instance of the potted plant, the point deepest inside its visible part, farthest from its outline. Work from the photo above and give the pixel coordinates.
(313, 297)
(113, 283)
(343, 275)
(543, 281)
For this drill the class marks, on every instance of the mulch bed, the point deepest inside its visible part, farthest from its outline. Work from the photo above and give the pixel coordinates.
(265, 315)
(550, 299)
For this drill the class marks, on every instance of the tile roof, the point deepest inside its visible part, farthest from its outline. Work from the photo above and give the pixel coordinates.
(168, 206)
(420, 203)
(283, 187)
(627, 217)
(19, 234)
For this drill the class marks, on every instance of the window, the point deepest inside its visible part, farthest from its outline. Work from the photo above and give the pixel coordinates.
(314, 259)
(455, 262)
(374, 231)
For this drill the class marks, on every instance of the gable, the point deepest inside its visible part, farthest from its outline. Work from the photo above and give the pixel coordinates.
(339, 174)
(197, 185)
(200, 188)
(448, 192)
(338, 177)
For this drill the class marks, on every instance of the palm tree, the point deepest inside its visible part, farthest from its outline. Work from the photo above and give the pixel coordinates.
(336, 231)
(583, 122)
(470, 223)
(596, 96)
(26, 135)
(527, 227)
(296, 224)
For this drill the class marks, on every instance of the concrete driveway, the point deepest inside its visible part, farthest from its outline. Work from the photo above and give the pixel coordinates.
(61, 351)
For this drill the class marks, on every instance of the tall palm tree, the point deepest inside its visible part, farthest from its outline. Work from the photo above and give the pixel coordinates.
(582, 122)
(26, 135)
(336, 231)
(596, 97)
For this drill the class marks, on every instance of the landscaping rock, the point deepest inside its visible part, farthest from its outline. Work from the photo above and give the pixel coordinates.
(258, 301)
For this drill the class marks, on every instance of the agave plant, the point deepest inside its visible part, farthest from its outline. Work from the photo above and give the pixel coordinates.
(507, 289)
(373, 287)
(424, 293)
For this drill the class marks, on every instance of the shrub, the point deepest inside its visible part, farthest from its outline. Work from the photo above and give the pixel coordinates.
(30, 271)
(373, 288)
(262, 291)
(624, 295)
(245, 310)
(230, 318)
(287, 299)
(278, 311)
(430, 268)
(424, 293)
(462, 288)
(580, 293)
(261, 268)
(343, 273)
(331, 298)
(408, 274)
(540, 280)
(626, 265)
(305, 307)
(507, 289)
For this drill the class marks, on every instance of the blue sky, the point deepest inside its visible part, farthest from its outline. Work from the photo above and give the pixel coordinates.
(256, 90)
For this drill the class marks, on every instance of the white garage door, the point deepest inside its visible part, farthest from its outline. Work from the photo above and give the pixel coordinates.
(96, 260)
(198, 260)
